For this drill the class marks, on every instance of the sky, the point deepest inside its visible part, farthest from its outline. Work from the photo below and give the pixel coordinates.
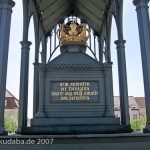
(132, 50)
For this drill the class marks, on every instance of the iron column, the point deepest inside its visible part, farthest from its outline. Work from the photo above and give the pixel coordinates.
(144, 33)
(5, 21)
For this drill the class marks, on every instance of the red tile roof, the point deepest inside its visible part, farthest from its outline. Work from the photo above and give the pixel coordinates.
(12, 102)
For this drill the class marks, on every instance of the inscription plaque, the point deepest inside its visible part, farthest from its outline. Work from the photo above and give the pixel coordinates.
(66, 91)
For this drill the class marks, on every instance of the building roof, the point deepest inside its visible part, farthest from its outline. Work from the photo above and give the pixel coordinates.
(12, 102)
(140, 101)
(8, 94)
(132, 102)
(92, 12)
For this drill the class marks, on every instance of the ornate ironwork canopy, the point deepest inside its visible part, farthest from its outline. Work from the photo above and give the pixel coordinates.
(92, 12)
(47, 16)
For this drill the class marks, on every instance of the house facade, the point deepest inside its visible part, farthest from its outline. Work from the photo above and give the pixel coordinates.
(11, 105)
(141, 103)
(136, 107)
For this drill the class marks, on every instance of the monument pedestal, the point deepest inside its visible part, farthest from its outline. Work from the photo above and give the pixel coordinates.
(75, 96)
(66, 126)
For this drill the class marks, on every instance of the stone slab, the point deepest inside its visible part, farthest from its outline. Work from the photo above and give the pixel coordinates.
(75, 121)
(132, 141)
(75, 129)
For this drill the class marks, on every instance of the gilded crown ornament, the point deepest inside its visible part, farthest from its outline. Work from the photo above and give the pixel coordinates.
(73, 32)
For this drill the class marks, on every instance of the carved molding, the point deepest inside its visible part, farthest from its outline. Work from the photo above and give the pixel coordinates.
(136, 2)
(10, 2)
(79, 66)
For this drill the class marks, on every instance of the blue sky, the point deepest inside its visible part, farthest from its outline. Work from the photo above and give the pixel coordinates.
(133, 56)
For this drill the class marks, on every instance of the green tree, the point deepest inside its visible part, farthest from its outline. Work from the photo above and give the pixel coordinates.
(135, 125)
(138, 124)
(10, 124)
(143, 121)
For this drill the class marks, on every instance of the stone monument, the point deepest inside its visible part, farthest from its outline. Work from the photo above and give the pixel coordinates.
(75, 90)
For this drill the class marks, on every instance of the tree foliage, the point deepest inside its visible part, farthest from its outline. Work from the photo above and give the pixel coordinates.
(138, 124)
(10, 124)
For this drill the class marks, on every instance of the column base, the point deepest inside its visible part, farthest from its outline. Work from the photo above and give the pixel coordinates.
(3, 131)
(109, 113)
(40, 114)
(147, 128)
(18, 131)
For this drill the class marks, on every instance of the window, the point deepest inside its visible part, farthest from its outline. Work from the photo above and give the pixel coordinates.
(116, 115)
(134, 116)
(5, 103)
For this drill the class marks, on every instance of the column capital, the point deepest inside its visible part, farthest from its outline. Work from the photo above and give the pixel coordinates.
(136, 2)
(7, 4)
(28, 43)
(25, 44)
(120, 42)
(36, 65)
